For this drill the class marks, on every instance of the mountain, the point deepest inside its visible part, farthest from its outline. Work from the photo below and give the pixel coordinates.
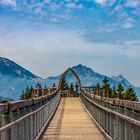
(10, 68)
(121, 79)
(14, 78)
(90, 77)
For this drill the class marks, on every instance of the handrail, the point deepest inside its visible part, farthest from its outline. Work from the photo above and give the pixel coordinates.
(118, 102)
(35, 120)
(16, 105)
(131, 120)
(115, 124)
(22, 118)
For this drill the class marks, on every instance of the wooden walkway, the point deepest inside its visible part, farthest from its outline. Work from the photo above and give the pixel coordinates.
(72, 122)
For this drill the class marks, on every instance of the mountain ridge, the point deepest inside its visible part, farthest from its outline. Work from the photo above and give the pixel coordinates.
(8, 67)
(14, 78)
(85, 72)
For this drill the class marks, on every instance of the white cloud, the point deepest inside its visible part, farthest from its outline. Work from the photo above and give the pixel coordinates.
(108, 29)
(65, 47)
(71, 5)
(39, 10)
(50, 51)
(53, 6)
(132, 3)
(128, 3)
(47, 1)
(8, 2)
(105, 2)
(100, 1)
(128, 23)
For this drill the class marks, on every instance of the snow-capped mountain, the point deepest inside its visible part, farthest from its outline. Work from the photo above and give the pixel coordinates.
(10, 68)
(14, 78)
(121, 79)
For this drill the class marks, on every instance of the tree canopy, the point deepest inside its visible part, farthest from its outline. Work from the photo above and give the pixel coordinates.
(116, 91)
(27, 93)
(64, 84)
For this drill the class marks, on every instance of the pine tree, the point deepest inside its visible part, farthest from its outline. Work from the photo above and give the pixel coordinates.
(97, 88)
(110, 93)
(38, 85)
(114, 92)
(64, 84)
(27, 89)
(71, 87)
(76, 87)
(106, 87)
(53, 84)
(22, 96)
(72, 92)
(76, 90)
(30, 92)
(120, 91)
(27, 93)
(130, 94)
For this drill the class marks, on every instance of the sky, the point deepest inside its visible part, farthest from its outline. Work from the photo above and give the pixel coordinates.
(48, 36)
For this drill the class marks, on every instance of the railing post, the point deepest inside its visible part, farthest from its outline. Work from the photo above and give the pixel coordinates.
(5, 135)
(125, 131)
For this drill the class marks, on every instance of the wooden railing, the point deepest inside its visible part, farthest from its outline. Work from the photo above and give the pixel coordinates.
(16, 105)
(11, 111)
(115, 125)
(31, 125)
(135, 106)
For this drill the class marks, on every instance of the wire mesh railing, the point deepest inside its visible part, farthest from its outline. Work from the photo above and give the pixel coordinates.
(12, 111)
(135, 114)
(29, 126)
(115, 125)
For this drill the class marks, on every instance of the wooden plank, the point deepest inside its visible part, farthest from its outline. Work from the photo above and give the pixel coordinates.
(72, 122)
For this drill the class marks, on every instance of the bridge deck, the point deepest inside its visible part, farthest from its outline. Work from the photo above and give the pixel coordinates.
(72, 122)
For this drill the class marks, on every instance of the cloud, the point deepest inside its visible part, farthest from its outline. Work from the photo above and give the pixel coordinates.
(106, 2)
(128, 43)
(65, 47)
(128, 23)
(71, 5)
(132, 3)
(8, 2)
(128, 3)
(47, 1)
(61, 48)
(39, 10)
(100, 1)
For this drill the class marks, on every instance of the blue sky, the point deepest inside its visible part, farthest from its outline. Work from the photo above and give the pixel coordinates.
(47, 36)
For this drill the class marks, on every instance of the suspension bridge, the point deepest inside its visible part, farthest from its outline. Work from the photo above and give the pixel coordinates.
(53, 117)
